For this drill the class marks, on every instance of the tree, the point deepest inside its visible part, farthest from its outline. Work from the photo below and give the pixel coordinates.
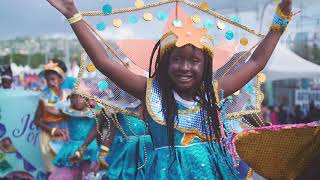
(316, 54)
(36, 60)
(20, 59)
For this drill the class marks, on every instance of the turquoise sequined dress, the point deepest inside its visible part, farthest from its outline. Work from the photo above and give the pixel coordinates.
(80, 125)
(128, 152)
(193, 158)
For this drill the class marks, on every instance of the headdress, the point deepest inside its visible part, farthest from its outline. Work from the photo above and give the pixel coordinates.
(186, 34)
(6, 77)
(51, 66)
(233, 41)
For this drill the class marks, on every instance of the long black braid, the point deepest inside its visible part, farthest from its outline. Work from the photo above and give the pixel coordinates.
(205, 93)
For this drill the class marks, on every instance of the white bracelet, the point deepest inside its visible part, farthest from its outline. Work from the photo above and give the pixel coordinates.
(105, 148)
(53, 131)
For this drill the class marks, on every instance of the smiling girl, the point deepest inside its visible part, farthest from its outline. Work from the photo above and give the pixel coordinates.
(181, 97)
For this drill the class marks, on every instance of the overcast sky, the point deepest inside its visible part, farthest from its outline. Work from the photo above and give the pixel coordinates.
(37, 17)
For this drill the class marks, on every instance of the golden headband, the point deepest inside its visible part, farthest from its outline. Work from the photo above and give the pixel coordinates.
(51, 66)
(186, 34)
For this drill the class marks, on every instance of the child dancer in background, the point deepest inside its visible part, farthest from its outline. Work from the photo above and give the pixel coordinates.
(80, 123)
(127, 151)
(47, 117)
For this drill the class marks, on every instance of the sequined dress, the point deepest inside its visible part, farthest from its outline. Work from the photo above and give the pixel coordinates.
(80, 124)
(130, 151)
(194, 158)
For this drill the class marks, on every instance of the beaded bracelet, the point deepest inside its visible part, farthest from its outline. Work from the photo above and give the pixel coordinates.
(280, 21)
(75, 18)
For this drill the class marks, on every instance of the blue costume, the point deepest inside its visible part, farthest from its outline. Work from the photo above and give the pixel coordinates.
(80, 124)
(50, 146)
(194, 158)
(131, 150)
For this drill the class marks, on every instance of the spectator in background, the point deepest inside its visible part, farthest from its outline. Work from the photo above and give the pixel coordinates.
(69, 82)
(6, 81)
(6, 78)
(74, 69)
(299, 118)
(283, 114)
(314, 113)
(274, 115)
(265, 112)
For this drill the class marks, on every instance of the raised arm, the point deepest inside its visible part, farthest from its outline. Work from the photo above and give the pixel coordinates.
(258, 60)
(120, 75)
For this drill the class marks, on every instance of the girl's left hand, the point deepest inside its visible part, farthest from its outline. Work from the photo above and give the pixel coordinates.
(74, 159)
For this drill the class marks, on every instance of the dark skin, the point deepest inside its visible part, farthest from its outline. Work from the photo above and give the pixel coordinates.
(54, 82)
(106, 142)
(185, 70)
(136, 85)
(6, 83)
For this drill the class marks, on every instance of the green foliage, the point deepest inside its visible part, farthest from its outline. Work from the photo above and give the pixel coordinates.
(20, 59)
(36, 60)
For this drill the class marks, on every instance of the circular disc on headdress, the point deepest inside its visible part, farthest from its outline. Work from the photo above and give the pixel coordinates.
(139, 3)
(244, 41)
(133, 19)
(147, 16)
(107, 9)
(235, 19)
(204, 6)
(196, 18)
(208, 24)
(220, 25)
(177, 23)
(91, 68)
(162, 15)
(289, 148)
(237, 92)
(117, 23)
(262, 77)
(229, 35)
(101, 26)
(102, 85)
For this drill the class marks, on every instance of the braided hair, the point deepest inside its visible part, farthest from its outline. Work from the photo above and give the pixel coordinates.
(205, 94)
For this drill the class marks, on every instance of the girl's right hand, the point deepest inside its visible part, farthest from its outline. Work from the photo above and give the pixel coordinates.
(58, 132)
(66, 7)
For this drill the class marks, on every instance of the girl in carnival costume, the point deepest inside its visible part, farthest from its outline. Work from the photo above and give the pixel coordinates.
(181, 98)
(80, 122)
(47, 117)
(127, 150)
(131, 149)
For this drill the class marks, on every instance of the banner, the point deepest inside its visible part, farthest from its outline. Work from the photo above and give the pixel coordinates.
(304, 97)
(19, 138)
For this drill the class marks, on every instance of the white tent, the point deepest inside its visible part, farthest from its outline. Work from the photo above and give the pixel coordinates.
(285, 64)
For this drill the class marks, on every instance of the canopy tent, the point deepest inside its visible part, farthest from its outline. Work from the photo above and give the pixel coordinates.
(285, 64)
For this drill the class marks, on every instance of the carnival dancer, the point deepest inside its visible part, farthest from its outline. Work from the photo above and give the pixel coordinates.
(81, 122)
(181, 98)
(127, 151)
(48, 118)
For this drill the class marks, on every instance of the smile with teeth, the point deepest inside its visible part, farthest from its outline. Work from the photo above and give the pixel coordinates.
(185, 78)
